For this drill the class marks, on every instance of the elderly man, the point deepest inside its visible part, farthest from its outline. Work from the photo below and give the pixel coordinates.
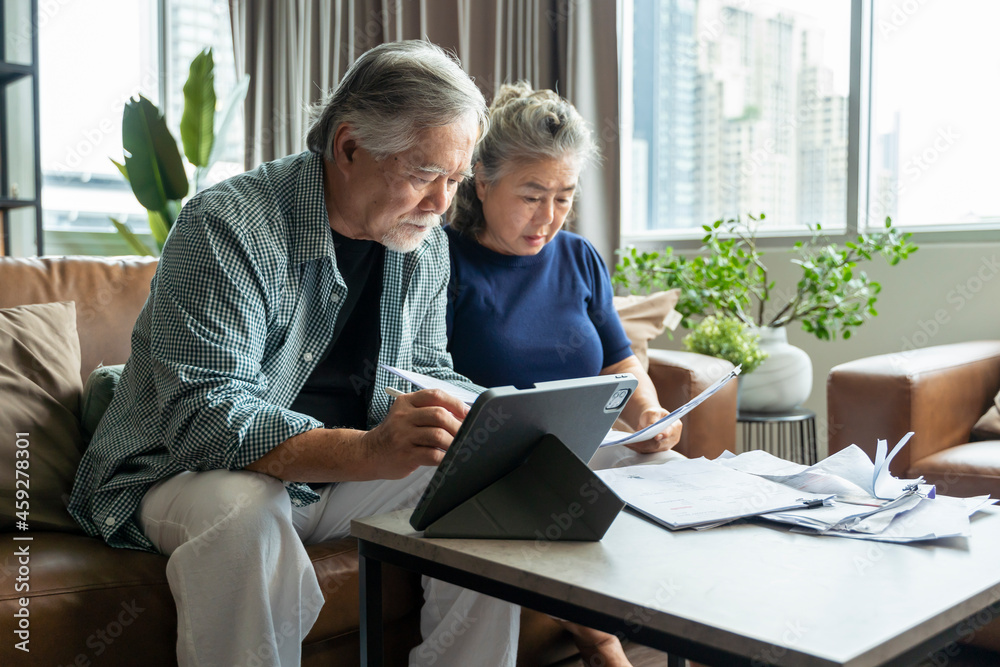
(251, 418)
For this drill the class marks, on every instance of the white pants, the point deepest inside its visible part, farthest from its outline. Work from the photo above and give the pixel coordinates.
(247, 593)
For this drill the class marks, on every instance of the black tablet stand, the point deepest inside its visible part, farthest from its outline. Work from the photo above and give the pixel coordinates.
(552, 495)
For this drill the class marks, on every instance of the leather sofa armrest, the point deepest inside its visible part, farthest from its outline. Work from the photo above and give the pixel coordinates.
(937, 392)
(678, 377)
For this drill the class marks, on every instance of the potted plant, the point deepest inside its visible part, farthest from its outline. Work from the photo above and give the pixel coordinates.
(152, 164)
(727, 338)
(729, 277)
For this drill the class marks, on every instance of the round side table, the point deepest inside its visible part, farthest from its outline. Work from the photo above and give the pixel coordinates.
(788, 435)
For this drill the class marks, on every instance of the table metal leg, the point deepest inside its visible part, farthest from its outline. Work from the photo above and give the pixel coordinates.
(370, 583)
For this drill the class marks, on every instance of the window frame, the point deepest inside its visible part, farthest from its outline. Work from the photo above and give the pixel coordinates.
(859, 150)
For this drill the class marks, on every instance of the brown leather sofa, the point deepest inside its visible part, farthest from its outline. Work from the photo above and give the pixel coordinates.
(939, 393)
(94, 605)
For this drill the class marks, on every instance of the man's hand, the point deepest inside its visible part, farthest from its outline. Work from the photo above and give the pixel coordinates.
(658, 443)
(417, 432)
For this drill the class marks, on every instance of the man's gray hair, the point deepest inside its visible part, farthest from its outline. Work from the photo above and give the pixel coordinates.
(392, 93)
(526, 126)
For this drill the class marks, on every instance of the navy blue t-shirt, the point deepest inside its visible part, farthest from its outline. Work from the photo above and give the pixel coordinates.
(518, 320)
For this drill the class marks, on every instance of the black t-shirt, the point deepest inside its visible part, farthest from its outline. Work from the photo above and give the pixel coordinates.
(339, 389)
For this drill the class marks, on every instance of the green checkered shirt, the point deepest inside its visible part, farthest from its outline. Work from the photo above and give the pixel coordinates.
(240, 311)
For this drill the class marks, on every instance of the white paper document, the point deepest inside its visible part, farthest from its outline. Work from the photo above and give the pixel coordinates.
(868, 518)
(620, 438)
(930, 519)
(421, 381)
(847, 473)
(695, 492)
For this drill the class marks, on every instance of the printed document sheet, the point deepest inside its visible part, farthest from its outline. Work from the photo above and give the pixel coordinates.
(698, 492)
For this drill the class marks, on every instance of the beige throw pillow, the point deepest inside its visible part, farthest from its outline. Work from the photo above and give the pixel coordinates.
(988, 426)
(40, 439)
(645, 318)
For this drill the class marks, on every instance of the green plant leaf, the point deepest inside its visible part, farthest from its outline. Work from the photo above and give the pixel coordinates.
(121, 168)
(134, 242)
(152, 160)
(730, 278)
(198, 119)
(159, 226)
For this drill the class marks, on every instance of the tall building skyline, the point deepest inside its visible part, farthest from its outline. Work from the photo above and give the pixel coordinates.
(736, 114)
(664, 91)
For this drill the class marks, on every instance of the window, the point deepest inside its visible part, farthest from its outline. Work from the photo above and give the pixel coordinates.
(744, 106)
(935, 134)
(192, 25)
(93, 57)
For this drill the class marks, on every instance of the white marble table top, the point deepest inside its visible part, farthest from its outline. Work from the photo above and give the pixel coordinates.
(766, 593)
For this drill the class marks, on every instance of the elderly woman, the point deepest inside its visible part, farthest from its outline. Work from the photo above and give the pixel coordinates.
(528, 302)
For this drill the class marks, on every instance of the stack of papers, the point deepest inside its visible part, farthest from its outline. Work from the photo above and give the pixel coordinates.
(845, 495)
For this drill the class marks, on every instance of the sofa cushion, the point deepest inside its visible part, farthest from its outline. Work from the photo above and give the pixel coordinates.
(108, 291)
(41, 386)
(645, 317)
(964, 471)
(988, 426)
(97, 395)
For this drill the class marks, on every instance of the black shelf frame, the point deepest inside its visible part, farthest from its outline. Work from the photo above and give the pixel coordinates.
(9, 73)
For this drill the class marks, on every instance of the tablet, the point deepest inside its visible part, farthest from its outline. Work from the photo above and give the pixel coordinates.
(505, 424)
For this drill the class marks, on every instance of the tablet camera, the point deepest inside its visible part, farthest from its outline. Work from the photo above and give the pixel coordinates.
(618, 399)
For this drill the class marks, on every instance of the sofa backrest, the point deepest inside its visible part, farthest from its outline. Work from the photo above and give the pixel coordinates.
(109, 293)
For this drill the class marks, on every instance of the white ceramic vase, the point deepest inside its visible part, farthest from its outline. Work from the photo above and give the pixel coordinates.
(782, 382)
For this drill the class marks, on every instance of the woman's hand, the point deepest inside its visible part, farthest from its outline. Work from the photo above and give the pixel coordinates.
(660, 442)
(643, 409)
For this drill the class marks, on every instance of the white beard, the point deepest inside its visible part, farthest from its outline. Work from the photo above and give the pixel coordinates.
(403, 237)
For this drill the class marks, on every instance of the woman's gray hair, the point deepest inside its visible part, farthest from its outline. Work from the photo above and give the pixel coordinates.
(526, 126)
(392, 93)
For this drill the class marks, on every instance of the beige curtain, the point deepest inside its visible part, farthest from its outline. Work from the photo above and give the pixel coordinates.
(297, 50)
